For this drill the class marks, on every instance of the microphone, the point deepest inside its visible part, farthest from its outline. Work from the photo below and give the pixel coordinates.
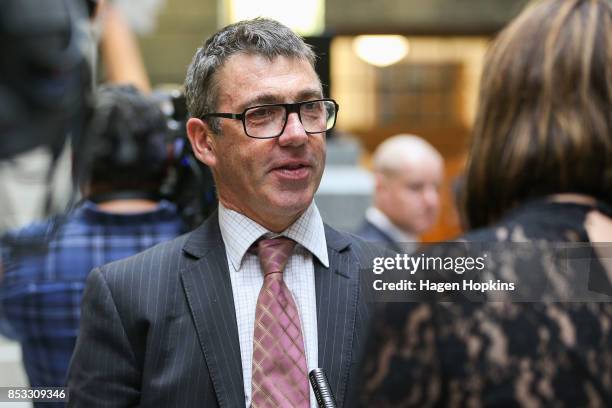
(321, 389)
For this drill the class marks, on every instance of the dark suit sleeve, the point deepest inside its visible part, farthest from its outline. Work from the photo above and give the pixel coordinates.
(103, 369)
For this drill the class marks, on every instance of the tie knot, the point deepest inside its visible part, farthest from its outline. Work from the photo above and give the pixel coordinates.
(274, 254)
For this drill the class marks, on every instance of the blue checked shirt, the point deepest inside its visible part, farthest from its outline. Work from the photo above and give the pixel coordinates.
(41, 291)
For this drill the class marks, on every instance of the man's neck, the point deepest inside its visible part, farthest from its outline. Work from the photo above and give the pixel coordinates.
(380, 220)
(573, 198)
(128, 206)
(276, 224)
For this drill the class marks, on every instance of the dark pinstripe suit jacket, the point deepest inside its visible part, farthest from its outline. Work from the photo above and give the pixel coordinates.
(159, 329)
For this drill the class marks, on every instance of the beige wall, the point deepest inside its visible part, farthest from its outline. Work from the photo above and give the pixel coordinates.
(182, 27)
(427, 16)
(184, 24)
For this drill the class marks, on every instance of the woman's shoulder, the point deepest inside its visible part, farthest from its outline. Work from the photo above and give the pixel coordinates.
(538, 220)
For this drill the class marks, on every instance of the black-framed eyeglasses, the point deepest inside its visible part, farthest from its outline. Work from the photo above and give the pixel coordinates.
(269, 121)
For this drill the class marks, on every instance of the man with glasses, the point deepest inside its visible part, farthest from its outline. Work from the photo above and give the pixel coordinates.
(237, 312)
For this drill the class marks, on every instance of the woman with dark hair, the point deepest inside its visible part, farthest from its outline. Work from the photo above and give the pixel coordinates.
(544, 123)
(540, 171)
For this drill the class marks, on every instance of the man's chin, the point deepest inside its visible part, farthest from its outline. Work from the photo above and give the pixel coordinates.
(291, 203)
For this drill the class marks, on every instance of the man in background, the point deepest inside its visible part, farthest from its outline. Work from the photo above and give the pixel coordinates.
(121, 214)
(406, 203)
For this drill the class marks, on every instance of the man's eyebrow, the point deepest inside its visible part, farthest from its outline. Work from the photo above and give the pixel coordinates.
(262, 99)
(265, 99)
(309, 94)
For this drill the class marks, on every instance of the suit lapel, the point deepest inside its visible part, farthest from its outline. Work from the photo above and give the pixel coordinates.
(209, 294)
(337, 294)
(208, 289)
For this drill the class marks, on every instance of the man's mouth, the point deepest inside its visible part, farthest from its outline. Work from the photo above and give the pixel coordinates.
(292, 170)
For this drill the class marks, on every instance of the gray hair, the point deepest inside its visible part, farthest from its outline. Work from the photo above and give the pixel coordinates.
(260, 36)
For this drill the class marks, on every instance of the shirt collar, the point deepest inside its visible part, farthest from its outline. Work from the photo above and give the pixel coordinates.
(240, 232)
(380, 220)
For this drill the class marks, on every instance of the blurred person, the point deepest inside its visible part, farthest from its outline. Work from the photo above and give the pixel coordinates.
(45, 84)
(119, 48)
(539, 172)
(194, 322)
(406, 203)
(122, 214)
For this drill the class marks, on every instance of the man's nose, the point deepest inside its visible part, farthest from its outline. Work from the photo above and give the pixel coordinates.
(431, 196)
(294, 133)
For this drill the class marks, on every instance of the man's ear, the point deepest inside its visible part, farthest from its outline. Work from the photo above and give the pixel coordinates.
(380, 182)
(384, 187)
(202, 142)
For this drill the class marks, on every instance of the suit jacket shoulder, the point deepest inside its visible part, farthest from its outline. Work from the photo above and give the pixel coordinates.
(137, 344)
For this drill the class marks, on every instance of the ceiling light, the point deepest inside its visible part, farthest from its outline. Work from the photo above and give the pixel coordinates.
(381, 50)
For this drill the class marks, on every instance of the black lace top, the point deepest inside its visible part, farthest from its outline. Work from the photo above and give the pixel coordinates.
(496, 353)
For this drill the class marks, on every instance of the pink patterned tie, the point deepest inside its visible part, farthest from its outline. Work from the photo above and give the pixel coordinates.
(280, 375)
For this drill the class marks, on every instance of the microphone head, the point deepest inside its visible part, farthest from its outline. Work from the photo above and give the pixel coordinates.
(320, 386)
